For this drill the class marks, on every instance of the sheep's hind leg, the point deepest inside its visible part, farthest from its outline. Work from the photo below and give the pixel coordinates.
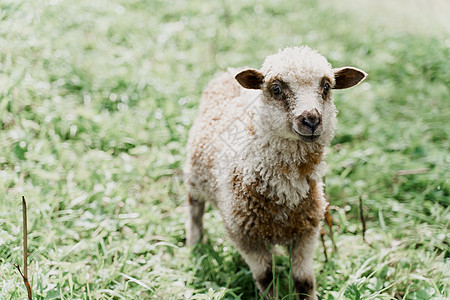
(260, 263)
(302, 267)
(194, 222)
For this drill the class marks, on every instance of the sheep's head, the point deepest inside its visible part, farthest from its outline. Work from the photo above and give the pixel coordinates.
(296, 85)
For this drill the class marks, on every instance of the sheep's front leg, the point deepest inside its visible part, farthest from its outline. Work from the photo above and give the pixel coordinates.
(260, 263)
(194, 222)
(302, 266)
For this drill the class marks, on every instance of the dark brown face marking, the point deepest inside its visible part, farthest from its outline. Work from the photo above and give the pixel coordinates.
(280, 93)
(325, 87)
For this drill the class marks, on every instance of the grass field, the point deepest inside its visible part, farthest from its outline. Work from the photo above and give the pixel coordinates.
(96, 100)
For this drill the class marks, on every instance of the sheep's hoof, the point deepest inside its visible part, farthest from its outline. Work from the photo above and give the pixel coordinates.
(265, 284)
(305, 289)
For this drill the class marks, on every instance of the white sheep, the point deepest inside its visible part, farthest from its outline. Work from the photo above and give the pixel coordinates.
(256, 151)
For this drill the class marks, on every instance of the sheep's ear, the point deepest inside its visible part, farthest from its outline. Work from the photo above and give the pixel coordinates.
(347, 77)
(250, 79)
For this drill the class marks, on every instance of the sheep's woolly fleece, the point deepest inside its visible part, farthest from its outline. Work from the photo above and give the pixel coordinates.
(239, 130)
(302, 65)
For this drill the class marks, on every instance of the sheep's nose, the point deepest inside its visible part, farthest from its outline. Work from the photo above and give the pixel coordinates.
(310, 119)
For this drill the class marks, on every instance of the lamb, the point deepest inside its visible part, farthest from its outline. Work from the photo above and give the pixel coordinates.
(256, 150)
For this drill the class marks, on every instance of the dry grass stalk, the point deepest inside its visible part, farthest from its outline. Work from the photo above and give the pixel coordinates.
(322, 233)
(25, 250)
(363, 220)
(409, 172)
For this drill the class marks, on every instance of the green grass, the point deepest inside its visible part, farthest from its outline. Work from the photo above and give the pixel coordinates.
(96, 100)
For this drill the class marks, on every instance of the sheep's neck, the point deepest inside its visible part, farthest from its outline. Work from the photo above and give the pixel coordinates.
(280, 169)
(288, 154)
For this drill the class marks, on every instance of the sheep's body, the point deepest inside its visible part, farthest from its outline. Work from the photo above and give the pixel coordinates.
(245, 154)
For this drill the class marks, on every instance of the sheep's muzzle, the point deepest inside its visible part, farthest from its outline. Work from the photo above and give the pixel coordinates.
(308, 125)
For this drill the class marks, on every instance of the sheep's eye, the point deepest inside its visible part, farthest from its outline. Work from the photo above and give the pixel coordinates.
(326, 89)
(276, 89)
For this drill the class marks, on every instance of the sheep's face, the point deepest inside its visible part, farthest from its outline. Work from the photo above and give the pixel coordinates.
(296, 84)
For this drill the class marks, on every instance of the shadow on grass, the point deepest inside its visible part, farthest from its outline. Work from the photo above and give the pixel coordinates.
(216, 265)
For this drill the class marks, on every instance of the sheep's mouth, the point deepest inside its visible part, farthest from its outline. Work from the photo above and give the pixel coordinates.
(308, 138)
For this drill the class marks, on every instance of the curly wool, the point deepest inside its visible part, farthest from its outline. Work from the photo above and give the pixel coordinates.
(302, 65)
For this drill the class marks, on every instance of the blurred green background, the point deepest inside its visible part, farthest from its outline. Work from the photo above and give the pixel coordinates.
(96, 100)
